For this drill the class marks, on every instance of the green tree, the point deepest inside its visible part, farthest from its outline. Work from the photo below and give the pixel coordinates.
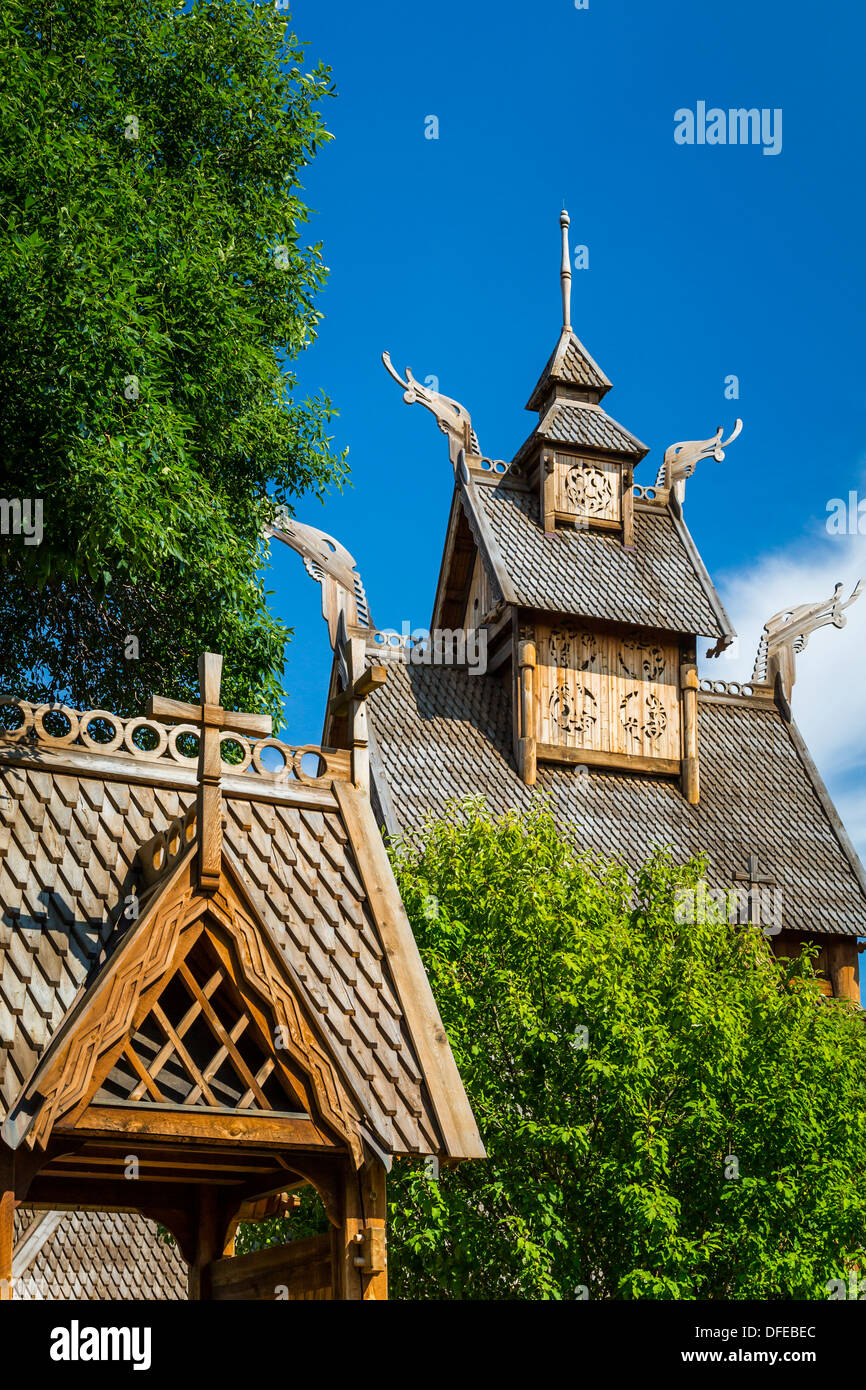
(669, 1110)
(154, 287)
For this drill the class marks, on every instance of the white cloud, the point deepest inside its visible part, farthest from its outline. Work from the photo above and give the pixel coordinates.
(829, 698)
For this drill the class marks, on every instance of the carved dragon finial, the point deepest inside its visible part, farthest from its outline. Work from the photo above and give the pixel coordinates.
(452, 419)
(681, 460)
(331, 565)
(787, 633)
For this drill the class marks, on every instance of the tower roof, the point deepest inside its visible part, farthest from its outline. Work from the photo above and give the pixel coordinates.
(659, 582)
(570, 364)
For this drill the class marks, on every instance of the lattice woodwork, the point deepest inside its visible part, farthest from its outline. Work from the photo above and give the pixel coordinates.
(132, 988)
(608, 693)
(199, 1047)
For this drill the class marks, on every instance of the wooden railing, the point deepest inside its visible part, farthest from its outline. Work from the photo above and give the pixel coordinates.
(59, 728)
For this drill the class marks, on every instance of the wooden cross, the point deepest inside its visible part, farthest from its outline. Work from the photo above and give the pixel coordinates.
(213, 721)
(754, 880)
(752, 877)
(367, 682)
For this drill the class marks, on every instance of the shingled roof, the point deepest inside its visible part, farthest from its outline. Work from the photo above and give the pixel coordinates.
(84, 1255)
(571, 364)
(443, 734)
(586, 425)
(658, 582)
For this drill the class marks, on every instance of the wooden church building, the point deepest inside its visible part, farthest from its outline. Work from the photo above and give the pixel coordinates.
(589, 598)
(210, 994)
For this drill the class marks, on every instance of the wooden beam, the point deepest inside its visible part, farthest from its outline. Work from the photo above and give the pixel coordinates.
(208, 1245)
(366, 683)
(304, 1268)
(457, 1125)
(627, 507)
(843, 967)
(168, 1028)
(104, 1194)
(225, 1038)
(690, 773)
(547, 477)
(527, 746)
(592, 757)
(283, 1131)
(585, 523)
(175, 1163)
(183, 1028)
(83, 1173)
(167, 774)
(7, 1223)
(146, 1081)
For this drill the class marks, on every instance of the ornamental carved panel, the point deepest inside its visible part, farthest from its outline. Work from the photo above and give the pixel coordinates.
(607, 693)
(587, 489)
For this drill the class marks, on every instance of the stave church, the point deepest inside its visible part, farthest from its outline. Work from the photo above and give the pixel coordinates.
(210, 996)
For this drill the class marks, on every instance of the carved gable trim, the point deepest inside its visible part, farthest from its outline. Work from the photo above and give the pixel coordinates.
(99, 1028)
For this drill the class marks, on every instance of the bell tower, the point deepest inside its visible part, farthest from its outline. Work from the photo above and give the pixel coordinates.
(589, 590)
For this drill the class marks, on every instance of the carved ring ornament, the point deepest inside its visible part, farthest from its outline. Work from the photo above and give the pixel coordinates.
(147, 740)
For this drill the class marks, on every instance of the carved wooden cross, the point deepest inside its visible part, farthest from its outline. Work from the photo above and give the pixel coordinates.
(213, 721)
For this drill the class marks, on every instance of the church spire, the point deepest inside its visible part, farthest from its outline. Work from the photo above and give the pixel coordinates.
(565, 274)
(571, 370)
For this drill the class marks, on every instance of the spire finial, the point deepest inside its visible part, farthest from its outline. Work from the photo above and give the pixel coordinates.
(565, 272)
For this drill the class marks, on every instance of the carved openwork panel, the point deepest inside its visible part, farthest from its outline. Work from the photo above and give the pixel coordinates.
(587, 489)
(607, 692)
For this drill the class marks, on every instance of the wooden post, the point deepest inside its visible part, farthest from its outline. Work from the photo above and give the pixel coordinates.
(209, 772)
(548, 491)
(690, 774)
(843, 967)
(627, 507)
(362, 1272)
(7, 1223)
(208, 1243)
(527, 765)
(214, 721)
(358, 731)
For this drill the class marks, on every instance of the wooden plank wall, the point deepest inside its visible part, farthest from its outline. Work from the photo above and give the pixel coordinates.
(480, 600)
(607, 692)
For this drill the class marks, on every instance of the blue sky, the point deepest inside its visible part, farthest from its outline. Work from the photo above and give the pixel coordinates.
(704, 261)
